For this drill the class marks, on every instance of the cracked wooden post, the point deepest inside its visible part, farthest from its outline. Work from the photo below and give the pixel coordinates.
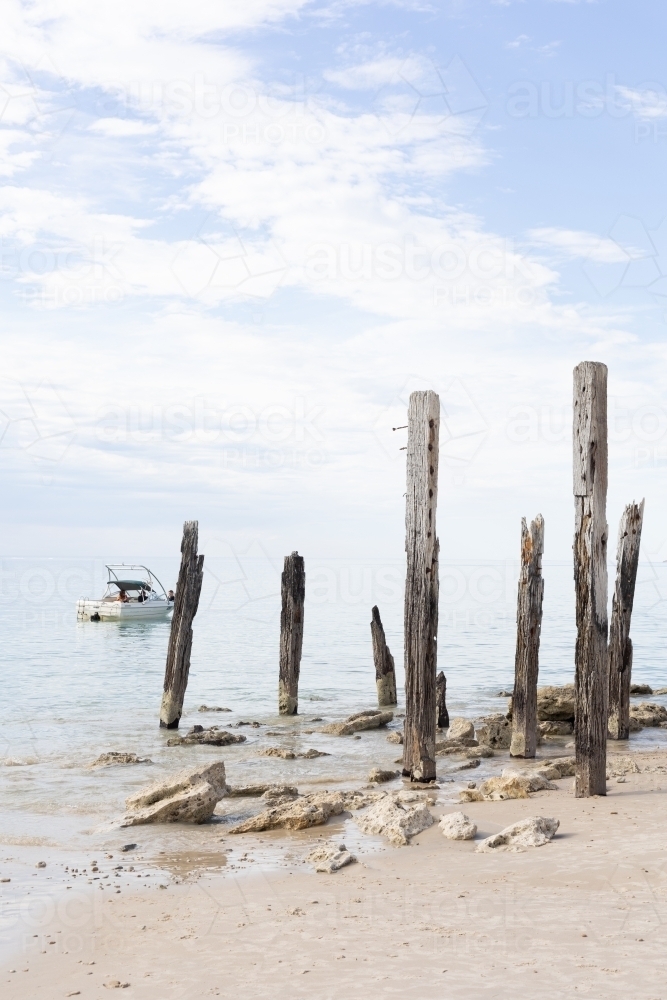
(385, 674)
(421, 588)
(620, 643)
(293, 592)
(590, 577)
(441, 713)
(528, 627)
(186, 602)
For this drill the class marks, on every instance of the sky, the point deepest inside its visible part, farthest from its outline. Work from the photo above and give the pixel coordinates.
(235, 236)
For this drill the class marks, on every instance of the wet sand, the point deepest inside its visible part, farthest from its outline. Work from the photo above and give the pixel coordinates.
(585, 915)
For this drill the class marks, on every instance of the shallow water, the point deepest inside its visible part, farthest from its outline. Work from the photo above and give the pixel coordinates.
(73, 690)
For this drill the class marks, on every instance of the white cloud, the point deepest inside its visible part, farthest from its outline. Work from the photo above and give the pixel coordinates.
(648, 102)
(122, 127)
(578, 244)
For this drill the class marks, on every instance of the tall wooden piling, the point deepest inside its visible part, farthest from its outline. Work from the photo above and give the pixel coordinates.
(590, 577)
(293, 592)
(441, 713)
(421, 588)
(528, 628)
(385, 673)
(620, 643)
(186, 602)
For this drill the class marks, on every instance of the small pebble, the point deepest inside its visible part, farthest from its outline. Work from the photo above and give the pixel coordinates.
(41, 864)
(620, 781)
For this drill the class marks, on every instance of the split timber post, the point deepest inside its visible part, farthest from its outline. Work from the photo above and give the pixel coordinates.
(385, 674)
(528, 628)
(441, 713)
(421, 587)
(590, 577)
(293, 593)
(620, 643)
(186, 602)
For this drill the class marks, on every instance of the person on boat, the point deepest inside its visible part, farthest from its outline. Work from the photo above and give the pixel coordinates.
(142, 596)
(170, 596)
(122, 596)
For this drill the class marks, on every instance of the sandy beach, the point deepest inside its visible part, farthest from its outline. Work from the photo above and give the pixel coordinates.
(586, 914)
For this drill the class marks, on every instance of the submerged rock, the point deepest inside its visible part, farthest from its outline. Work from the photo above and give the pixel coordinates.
(395, 738)
(330, 859)
(212, 708)
(556, 728)
(495, 732)
(266, 791)
(396, 819)
(190, 796)
(460, 728)
(457, 826)
(286, 754)
(641, 689)
(115, 757)
(198, 736)
(378, 775)
(369, 719)
(454, 746)
(535, 831)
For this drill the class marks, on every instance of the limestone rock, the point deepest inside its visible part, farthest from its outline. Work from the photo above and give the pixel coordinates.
(457, 826)
(641, 689)
(556, 728)
(292, 754)
(378, 775)
(509, 785)
(212, 708)
(266, 791)
(306, 811)
(190, 796)
(535, 831)
(455, 746)
(553, 770)
(214, 737)
(460, 728)
(395, 819)
(648, 714)
(475, 753)
(395, 738)
(661, 691)
(555, 704)
(467, 765)
(369, 719)
(495, 732)
(330, 859)
(115, 757)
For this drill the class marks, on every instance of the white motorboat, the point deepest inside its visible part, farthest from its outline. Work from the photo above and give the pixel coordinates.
(133, 593)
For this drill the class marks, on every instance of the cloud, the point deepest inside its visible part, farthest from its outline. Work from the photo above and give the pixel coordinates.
(122, 127)
(648, 102)
(578, 244)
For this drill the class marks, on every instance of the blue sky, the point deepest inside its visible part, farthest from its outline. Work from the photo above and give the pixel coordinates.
(235, 237)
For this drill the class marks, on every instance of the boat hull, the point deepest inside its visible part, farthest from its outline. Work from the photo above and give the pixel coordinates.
(117, 611)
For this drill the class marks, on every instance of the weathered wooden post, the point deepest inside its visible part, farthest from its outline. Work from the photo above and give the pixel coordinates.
(441, 713)
(590, 577)
(293, 592)
(528, 627)
(421, 588)
(385, 674)
(186, 602)
(620, 643)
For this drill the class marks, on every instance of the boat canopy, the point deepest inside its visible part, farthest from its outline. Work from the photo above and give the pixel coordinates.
(131, 584)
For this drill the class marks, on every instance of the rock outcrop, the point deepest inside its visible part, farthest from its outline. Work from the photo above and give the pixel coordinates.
(190, 796)
(214, 737)
(395, 738)
(378, 776)
(495, 732)
(369, 719)
(648, 714)
(396, 819)
(116, 757)
(641, 689)
(460, 728)
(330, 859)
(212, 708)
(265, 791)
(556, 728)
(457, 826)
(535, 831)
(509, 785)
(554, 704)
(306, 811)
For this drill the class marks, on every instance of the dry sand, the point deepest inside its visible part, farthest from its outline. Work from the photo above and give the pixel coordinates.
(585, 915)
